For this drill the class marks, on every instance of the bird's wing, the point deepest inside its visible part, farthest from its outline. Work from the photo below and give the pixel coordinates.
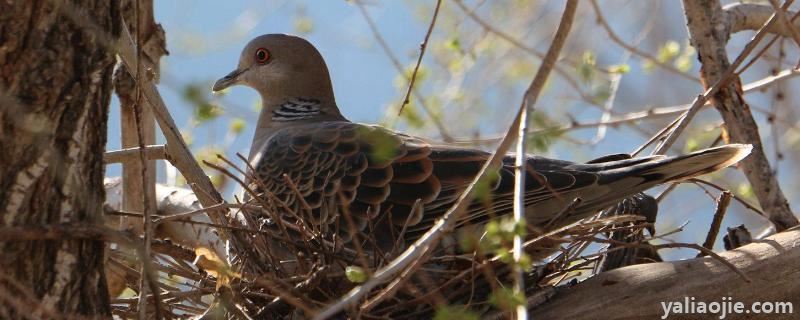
(336, 166)
(382, 177)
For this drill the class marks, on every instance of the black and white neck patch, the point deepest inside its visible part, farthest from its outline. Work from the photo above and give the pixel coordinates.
(296, 109)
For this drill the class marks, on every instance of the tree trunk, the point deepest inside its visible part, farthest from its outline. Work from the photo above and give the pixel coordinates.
(55, 87)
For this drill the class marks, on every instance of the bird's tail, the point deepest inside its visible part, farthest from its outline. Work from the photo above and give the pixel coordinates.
(618, 179)
(670, 169)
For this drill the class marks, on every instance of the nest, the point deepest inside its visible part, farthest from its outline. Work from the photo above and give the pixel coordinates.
(283, 268)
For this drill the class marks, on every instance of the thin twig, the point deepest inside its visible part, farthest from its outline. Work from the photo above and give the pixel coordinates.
(508, 38)
(650, 114)
(737, 198)
(722, 206)
(633, 49)
(437, 121)
(422, 47)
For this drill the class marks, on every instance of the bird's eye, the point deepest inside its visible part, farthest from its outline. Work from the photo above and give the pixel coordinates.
(262, 55)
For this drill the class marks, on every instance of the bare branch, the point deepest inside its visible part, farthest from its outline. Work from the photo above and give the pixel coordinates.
(422, 46)
(151, 152)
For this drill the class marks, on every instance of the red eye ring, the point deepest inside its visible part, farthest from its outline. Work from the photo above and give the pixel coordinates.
(262, 55)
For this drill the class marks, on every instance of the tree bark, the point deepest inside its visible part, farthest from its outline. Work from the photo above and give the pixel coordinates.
(55, 87)
(636, 292)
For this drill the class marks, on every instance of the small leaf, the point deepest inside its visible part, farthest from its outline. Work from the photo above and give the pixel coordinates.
(691, 145)
(620, 68)
(483, 188)
(525, 263)
(745, 190)
(668, 51)
(586, 69)
(197, 95)
(355, 274)
(206, 111)
(237, 126)
(215, 266)
(453, 44)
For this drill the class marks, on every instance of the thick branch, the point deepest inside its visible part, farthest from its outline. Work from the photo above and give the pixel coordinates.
(180, 155)
(709, 35)
(636, 292)
(170, 201)
(748, 16)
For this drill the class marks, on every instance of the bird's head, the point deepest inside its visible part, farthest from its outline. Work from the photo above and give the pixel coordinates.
(292, 79)
(282, 67)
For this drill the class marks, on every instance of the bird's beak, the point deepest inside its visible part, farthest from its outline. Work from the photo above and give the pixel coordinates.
(227, 81)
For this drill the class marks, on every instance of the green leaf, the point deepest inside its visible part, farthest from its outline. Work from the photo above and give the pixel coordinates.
(668, 51)
(542, 141)
(525, 262)
(355, 274)
(205, 111)
(197, 95)
(453, 44)
(384, 145)
(237, 126)
(691, 145)
(483, 188)
(620, 68)
(602, 93)
(586, 69)
(745, 190)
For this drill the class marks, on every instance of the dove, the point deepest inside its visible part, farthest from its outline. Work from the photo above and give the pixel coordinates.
(392, 185)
